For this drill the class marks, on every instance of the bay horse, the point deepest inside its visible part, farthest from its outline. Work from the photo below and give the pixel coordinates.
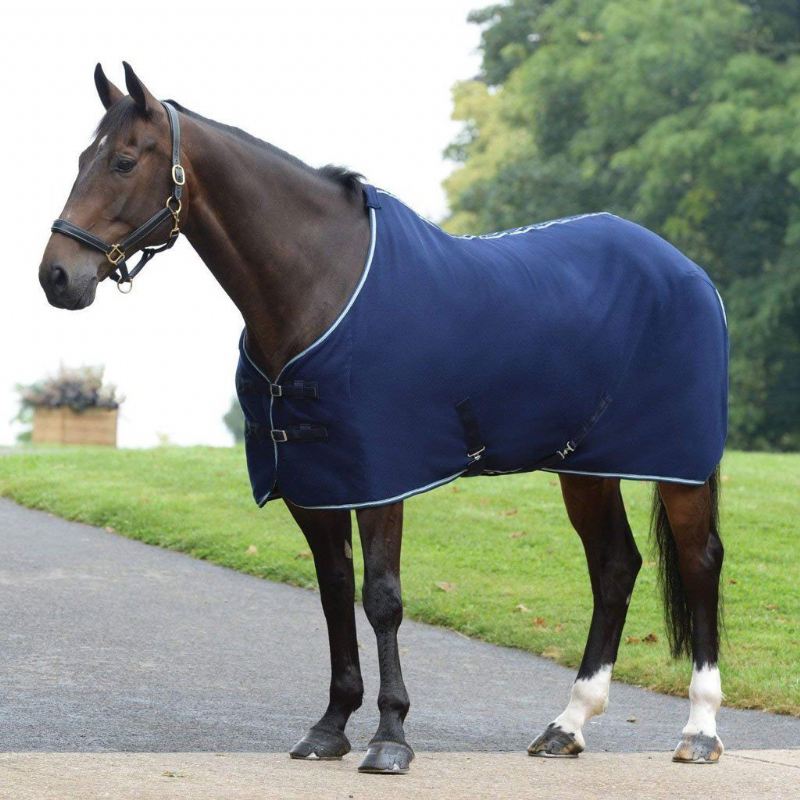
(288, 244)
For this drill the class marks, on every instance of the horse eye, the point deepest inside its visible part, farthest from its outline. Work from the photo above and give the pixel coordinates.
(124, 165)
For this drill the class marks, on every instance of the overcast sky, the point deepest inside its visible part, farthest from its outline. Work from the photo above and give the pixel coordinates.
(364, 83)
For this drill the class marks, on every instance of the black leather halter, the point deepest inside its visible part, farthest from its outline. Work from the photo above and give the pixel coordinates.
(117, 253)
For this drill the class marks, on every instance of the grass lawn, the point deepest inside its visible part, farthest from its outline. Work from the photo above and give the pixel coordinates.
(493, 558)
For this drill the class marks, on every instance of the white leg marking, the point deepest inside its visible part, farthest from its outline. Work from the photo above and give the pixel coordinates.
(589, 697)
(705, 694)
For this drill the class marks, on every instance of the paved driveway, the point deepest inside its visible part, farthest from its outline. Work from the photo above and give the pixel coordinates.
(112, 645)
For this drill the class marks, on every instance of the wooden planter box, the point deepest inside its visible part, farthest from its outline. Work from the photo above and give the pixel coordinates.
(62, 425)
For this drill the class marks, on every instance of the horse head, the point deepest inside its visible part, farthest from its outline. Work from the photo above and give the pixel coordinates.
(116, 205)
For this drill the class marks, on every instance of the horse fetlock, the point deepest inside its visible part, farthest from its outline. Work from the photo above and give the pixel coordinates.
(347, 692)
(700, 743)
(394, 705)
(588, 698)
(705, 696)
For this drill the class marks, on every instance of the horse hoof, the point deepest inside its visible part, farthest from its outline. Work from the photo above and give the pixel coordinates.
(697, 748)
(555, 743)
(387, 758)
(321, 745)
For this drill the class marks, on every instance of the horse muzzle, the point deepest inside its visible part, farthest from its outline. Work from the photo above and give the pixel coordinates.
(65, 290)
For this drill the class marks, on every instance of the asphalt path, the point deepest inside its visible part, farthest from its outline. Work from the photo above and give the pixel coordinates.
(108, 644)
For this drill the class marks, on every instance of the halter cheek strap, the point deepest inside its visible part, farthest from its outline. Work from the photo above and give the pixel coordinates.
(117, 253)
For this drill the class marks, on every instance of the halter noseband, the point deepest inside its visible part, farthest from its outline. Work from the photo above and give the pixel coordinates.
(117, 254)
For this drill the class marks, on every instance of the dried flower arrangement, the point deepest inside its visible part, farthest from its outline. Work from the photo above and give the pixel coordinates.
(77, 389)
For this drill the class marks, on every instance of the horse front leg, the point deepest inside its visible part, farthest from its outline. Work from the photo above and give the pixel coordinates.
(329, 536)
(381, 532)
(597, 513)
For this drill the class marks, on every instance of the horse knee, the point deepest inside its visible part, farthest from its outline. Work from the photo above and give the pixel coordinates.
(383, 603)
(337, 584)
(337, 592)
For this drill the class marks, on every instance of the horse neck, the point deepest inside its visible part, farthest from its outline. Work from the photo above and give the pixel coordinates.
(286, 243)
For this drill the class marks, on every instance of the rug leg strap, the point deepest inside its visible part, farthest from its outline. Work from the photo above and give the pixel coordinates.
(472, 435)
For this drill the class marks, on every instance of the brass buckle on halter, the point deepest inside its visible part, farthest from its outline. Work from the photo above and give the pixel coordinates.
(115, 254)
(178, 175)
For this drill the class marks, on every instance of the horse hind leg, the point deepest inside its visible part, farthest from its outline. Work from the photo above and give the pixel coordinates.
(691, 553)
(597, 513)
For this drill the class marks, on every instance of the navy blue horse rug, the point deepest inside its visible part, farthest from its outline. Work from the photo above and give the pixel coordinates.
(585, 345)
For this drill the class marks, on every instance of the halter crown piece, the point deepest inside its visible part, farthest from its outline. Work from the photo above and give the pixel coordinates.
(117, 253)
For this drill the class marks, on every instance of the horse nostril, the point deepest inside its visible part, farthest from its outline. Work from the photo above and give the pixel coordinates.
(58, 277)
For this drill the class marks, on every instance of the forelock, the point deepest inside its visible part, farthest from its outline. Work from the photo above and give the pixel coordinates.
(119, 119)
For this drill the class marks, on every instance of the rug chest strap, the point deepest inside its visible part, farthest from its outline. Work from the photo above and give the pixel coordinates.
(296, 390)
(472, 436)
(306, 432)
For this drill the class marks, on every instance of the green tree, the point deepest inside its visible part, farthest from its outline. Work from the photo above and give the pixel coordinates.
(509, 35)
(679, 114)
(234, 421)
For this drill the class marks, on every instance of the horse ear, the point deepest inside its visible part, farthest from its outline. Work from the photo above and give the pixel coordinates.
(109, 94)
(138, 91)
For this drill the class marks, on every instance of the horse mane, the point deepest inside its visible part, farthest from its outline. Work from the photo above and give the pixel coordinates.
(348, 179)
(125, 112)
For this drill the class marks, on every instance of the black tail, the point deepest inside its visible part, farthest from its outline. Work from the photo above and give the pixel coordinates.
(677, 615)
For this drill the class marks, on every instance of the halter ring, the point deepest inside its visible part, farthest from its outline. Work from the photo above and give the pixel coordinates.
(127, 283)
